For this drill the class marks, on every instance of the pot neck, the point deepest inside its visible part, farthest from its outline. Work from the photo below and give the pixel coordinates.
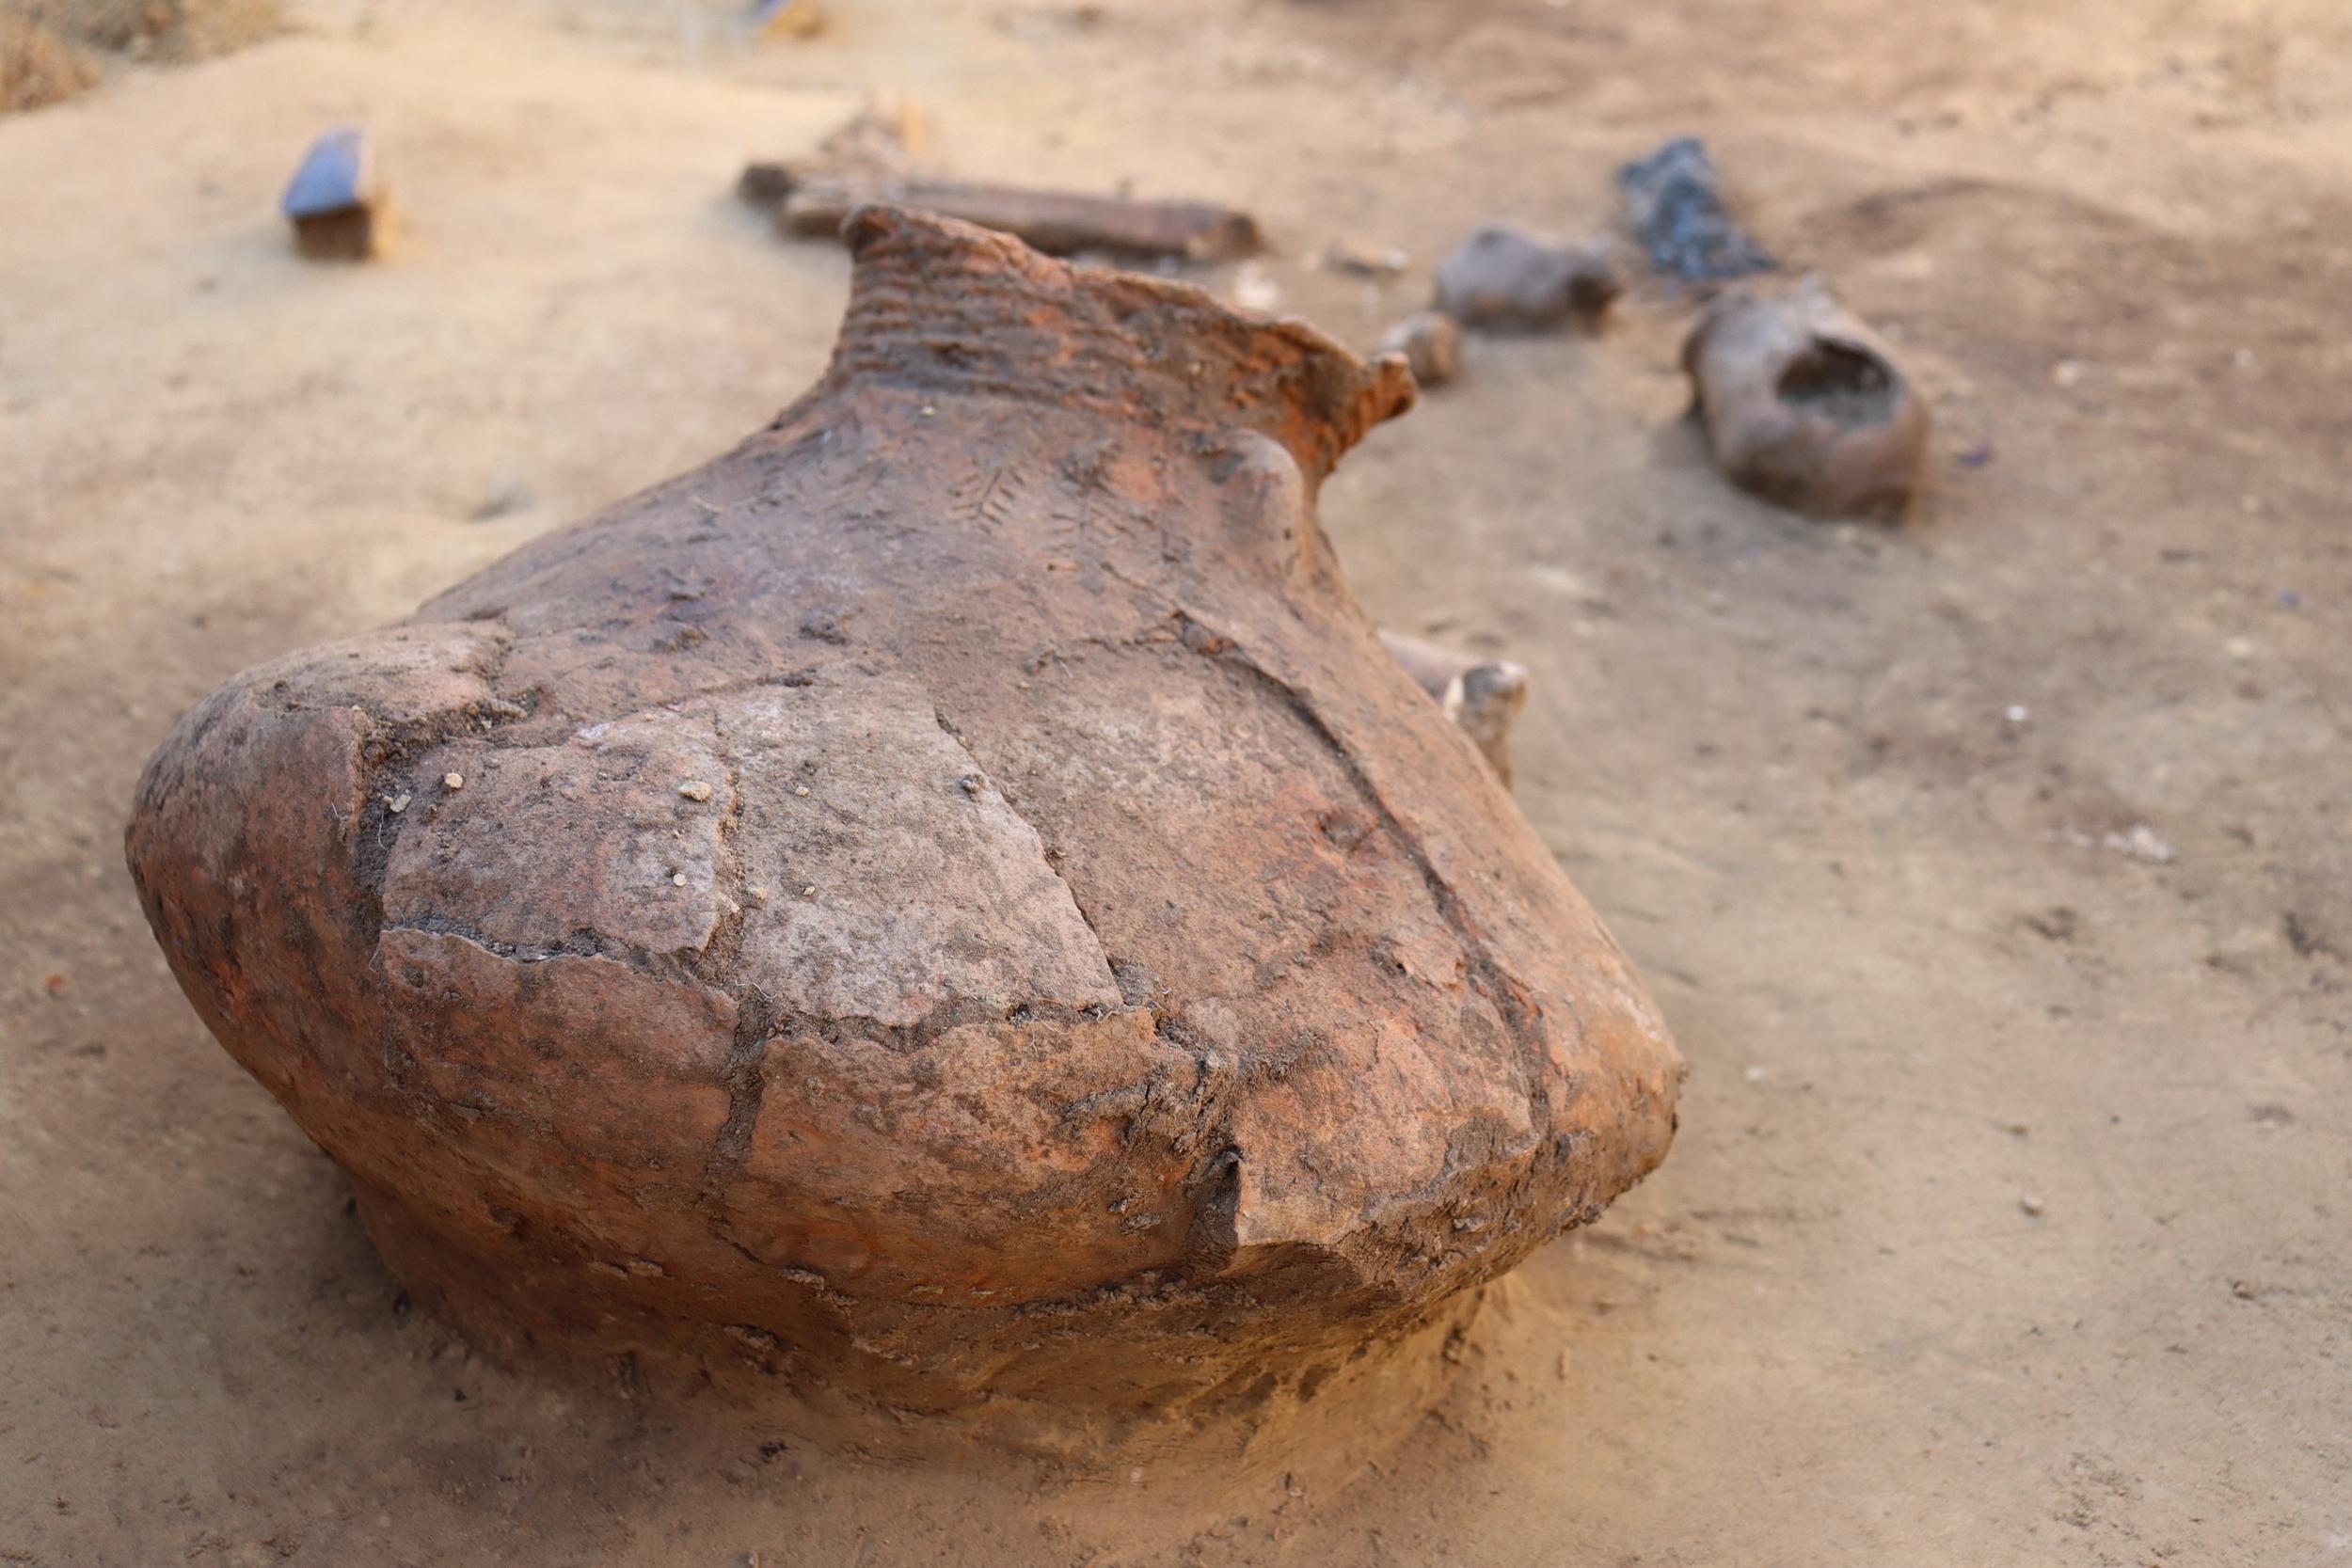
(945, 309)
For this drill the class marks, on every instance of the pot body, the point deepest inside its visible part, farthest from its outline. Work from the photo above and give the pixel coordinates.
(1805, 406)
(948, 909)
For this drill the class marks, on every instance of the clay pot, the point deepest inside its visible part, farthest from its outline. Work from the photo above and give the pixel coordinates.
(948, 909)
(1804, 406)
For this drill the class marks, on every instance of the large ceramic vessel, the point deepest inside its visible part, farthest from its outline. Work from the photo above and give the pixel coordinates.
(948, 909)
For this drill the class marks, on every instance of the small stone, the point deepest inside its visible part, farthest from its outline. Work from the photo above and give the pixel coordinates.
(2017, 713)
(452, 781)
(1431, 341)
(799, 789)
(678, 879)
(809, 892)
(2030, 1204)
(397, 803)
(1508, 278)
(337, 201)
(510, 494)
(695, 789)
(2142, 844)
(755, 895)
(1481, 695)
(1361, 259)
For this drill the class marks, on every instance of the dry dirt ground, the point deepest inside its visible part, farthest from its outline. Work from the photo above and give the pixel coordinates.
(2008, 1223)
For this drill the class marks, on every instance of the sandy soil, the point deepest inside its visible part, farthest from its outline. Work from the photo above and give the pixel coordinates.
(1847, 794)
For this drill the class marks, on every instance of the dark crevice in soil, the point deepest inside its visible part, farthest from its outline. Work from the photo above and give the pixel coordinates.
(747, 1088)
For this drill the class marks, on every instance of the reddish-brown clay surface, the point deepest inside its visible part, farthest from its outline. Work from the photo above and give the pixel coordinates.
(949, 907)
